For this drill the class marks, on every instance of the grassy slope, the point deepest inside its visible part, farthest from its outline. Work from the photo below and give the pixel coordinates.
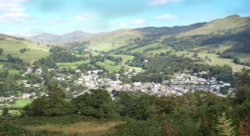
(113, 40)
(113, 67)
(124, 57)
(215, 59)
(234, 23)
(88, 128)
(13, 46)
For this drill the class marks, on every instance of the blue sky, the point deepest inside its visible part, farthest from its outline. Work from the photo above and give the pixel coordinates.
(31, 17)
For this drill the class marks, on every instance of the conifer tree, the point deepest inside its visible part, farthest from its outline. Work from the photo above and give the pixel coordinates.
(225, 127)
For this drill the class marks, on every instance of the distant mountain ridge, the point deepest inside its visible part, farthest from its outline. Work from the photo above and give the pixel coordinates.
(48, 38)
(228, 37)
(221, 41)
(231, 24)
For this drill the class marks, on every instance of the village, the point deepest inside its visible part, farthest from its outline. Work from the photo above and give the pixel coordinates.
(179, 84)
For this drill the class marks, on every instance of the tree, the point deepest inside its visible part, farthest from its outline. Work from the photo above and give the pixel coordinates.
(136, 106)
(195, 55)
(236, 60)
(56, 93)
(52, 105)
(5, 112)
(1, 51)
(242, 87)
(98, 103)
(243, 127)
(225, 127)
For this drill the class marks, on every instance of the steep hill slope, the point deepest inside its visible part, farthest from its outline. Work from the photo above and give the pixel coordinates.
(13, 46)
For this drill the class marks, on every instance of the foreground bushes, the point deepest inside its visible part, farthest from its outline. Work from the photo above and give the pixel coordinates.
(195, 113)
(11, 130)
(52, 105)
(98, 104)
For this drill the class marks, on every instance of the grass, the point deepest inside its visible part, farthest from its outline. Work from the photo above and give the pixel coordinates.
(13, 113)
(109, 66)
(12, 46)
(13, 72)
(105, 47)
(88, 128)
(124, 57)
(215, 59)
(219, 26)
(159, 51)
(111, 41)
(113, 67)
(71, 65)
(3, 58)
(21, 103)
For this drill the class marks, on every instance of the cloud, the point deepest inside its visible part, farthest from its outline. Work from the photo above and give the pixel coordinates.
(12, 11)
(165, 17)
(84, 17)
(160, 2)
(139, 21)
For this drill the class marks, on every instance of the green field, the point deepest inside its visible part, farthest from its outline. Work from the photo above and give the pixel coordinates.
(3, 58)
(21, 103)
(159, 51)
(203, 52)
(13, 113)
(113, 67)
(13, 72)
(109, 66)
(13, 47)
(124, 57)
(217, 60)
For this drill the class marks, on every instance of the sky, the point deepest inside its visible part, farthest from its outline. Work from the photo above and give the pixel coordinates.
(32, 17)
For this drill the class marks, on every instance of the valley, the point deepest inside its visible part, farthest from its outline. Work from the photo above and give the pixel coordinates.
(161, 78)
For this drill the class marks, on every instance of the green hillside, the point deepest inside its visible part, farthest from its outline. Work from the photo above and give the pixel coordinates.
(12, 46)
(221, 40)
(233, 24)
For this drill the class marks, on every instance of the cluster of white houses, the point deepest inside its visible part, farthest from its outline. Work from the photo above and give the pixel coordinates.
(179, 84)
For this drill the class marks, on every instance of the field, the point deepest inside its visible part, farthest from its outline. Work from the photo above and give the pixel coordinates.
(21, 103)
(13, 47)
(89, 128)
(109, 65)
(114, 40)
(113, 67)
(215, 59)
(105, 47)
(18, 104)
(124, 57)
(13, 72)
(13, 113)
(66, 125)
